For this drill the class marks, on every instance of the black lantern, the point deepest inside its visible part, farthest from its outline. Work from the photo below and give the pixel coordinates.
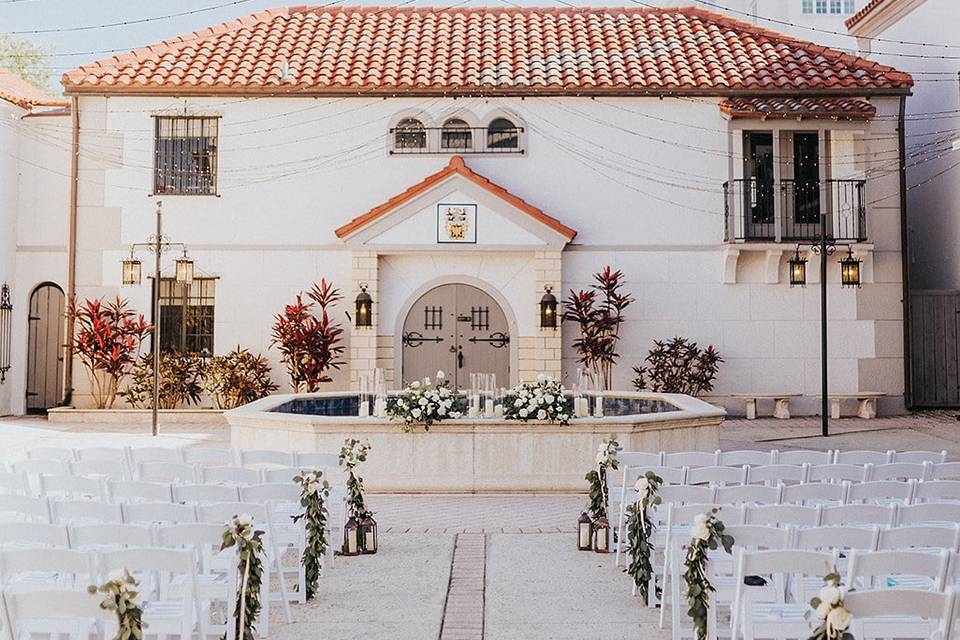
(601, 535)
(798, 270)
(850, 269)
(368, 533)
(184, 269)
(548, 309)
(364, 307)
(131, 270)
(351, 538)
(584, 532)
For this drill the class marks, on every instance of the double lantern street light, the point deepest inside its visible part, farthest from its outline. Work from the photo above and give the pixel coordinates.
(825, 245)
(132, 276)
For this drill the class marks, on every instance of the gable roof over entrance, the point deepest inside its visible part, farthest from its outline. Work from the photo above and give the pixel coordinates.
(453, 51)
(456, 167)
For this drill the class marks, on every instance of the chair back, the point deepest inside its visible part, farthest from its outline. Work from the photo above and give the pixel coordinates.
(103, 454)
(229, 475)
(930, 512)
(684, 493)
(172, 472)
(861, 457)
(51, 453)
(880, 492)
(33, 534)
(887, 569)
(139, 491)
(57, 612)
(901, 471)
(773, 474)
(158, 512)
(717, 475)
(690, 459)
(140, 455)
(208, 457)
(860, 514)
(78, 564)
(72, 512)
(749, 457)
(875, 613)
(270, 492)
(934, 457)
(205, 493)
(839, 472)
(747, 494)
(23, 508)
(836, 538)
(284, 474)
(783, 515)
(937, 491)
(814, 493)
(625, 458)
(920, 537)
(754, 537)
(945, 471)
(804, 456)
(109, 536)
(105, 469)
(71, 487)
(222, 512)
(265, 457)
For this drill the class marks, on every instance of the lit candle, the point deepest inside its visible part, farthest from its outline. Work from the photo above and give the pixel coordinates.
(380, 408)
(498, 410)
(364, 409)
(598, 411)
(488, 410)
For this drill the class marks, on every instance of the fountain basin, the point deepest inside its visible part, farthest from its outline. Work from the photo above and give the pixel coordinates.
(476, 454)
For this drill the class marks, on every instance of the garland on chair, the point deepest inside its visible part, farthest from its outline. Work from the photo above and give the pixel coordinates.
(606, 458)
(314, 491)
(239, 533)
(121, 597)
(706, 535)
(640, 530)
(352, 454)
(829, 608)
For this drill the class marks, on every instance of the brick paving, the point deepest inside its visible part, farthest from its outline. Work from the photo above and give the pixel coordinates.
(464, 608)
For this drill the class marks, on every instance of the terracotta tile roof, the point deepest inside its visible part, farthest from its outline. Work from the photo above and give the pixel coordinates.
(814, 108)
(456, 166)
(859, 16)
(18, 91)
(488, 51)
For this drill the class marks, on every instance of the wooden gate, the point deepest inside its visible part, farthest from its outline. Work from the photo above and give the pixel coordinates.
(45, 348)
(459, 329)
(935, 348)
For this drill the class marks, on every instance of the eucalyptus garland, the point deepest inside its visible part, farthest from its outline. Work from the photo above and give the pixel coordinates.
(239, 533)
(640, 530)
(606, 459)
(120, 596)
(706, 535)
(314, 491)
(352, 454)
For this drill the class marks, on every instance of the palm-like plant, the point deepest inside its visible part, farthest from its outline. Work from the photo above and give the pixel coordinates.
(309, 344)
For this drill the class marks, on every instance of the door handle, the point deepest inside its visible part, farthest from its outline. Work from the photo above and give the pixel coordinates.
(460, 359)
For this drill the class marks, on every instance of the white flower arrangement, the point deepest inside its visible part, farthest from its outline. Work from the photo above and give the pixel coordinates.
(828, 605)
(540, 400)
(425, 402)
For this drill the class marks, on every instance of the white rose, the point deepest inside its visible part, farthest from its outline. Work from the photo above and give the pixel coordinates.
(442, 411)
(416, 413)
(415, 384)
(541, 415)
(518, 403)
(245, 520)
(830, 594)
(550, 398)
(642, 486)
(313, 488)
(422, 402)
(823, 610)
(700, 518)
(427, 382)
(838, 620)
(700, 532)
(523, 413)
(441, 375)
(563, 416)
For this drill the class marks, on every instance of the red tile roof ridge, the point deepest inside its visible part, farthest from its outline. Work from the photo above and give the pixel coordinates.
(861, 15)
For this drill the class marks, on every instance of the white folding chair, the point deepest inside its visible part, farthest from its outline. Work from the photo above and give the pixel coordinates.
(881, 492)
(782, 515)
(267, 457)
(46, 568)
(74, 512)
(208, 457)
(717, 475)
(105, 469)
(902, 613)
(747, 457)
(32, 469)
(229, 475)
(110, 536)
(758, 614)
(72, 487)
(933, 457)
(937, 491)
(155, 454)
(280, 475)
(51, 453)
(900, 471)
(282, 500)
(943, 513)
(837, 540)
(811, 494)
(14, 482)
(204, 493)
(103, 454)
(774, 474)
(172, 472)
(46, 614)
(129, 491)
(686, 494)
(747, 494)
(860, 457)
(859, 514)
(901, 569)
(168, 583)
(623, 493)
(920, 537)
(319, 460)
(839, 472)
(804, 456)
(20, 535)
(945, 471)
(158, 512)
(14, 508)
(690, 459)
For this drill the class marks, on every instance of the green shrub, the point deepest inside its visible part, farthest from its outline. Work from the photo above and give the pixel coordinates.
(237, 378)
(678, 366)
(181, 380)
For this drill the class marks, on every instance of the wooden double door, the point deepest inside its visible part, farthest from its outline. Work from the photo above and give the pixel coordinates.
(459, 329)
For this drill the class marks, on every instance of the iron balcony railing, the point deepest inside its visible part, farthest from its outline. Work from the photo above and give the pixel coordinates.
(455, 140)
(789, 211)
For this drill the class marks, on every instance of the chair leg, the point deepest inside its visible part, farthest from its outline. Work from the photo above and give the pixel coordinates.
(282, 580)
(666, 585)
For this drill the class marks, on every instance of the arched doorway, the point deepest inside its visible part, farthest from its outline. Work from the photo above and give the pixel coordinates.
(459, 329)
(45, 348)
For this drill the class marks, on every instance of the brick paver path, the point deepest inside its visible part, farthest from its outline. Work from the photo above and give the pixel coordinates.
(464, 608)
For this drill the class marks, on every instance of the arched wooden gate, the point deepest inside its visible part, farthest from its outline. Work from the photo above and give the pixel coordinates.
(45, 347)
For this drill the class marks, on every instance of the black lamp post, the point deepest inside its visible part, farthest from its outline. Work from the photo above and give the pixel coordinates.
(364, 307)
(548, 309)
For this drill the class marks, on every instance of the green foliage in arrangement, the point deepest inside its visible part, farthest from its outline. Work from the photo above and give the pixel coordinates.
(314, 492)
(706, 535)
(640, 530)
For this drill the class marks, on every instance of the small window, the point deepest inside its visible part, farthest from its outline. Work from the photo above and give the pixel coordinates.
(821, 6)
(410, 134)
(849, 6)
(185, 154)
(807, 6)
(503, 134)
(836, 6)
(456, 134)
(187, 315)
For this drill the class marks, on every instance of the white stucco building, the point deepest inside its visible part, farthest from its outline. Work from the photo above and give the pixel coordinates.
(458, 161)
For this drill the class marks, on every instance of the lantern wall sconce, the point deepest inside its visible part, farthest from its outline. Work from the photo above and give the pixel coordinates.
(798, 270)
(6, 331)
(184, 269)
(132, 273)
(850, 269)
(364, 307)
(548, 309)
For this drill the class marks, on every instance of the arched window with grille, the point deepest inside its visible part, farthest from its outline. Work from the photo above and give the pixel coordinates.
(456, 134)
(503, 134)
(410, 134)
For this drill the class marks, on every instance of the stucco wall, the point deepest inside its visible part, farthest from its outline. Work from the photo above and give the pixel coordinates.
(9, 150)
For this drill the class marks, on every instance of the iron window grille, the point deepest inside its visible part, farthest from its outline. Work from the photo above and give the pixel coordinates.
(6, 331)
(414, 139)
(456, 135)
(185, 155)
(187, 313)
(409, 134)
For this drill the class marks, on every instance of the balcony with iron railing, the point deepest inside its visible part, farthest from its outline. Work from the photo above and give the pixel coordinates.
(456, 140)
(790, 210)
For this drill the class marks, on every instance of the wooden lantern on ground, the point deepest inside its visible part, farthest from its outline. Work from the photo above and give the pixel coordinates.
(584, 532)
(601, 535)
(351, 538)
(368, 534)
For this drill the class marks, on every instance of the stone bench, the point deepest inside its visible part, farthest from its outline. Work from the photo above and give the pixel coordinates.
(866, 403)
(781, 403)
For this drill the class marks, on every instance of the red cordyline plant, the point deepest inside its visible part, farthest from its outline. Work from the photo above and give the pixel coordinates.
(598, 313)
(107, 338)
(309, 345)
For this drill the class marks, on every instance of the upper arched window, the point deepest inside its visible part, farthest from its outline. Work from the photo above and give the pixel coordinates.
(409, 134)
(503, 134)
(456, 134)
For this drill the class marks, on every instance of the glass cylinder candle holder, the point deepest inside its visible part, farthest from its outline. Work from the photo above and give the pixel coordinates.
(473, 401)
(598, 400)
(489, 386)
(380, 391)
(363, 409)
(498, 402)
